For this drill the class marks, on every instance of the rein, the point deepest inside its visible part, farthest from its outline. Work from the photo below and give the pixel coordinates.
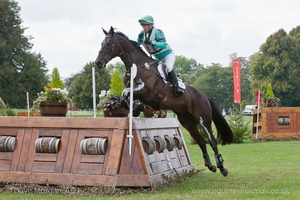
(161, 94)
(124, 52)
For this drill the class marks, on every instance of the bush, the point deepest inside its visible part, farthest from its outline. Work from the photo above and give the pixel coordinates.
(10, 112)
(5, 110)
(2, 108)
(240, 128)
(116, 85)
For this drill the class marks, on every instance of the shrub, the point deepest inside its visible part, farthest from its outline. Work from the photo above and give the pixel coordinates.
(2, 108)
(10, 112)
(269, 92)
(56, 81)
(239, 127)
(5, 110)
(116, 85)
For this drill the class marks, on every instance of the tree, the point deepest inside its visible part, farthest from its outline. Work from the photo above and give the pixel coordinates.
(20, 70)
(81, 90)
(56, 81)
(277, 63)
(269, 92)
(216, 82)
(185, 66)
(118, 65)
(116, 85)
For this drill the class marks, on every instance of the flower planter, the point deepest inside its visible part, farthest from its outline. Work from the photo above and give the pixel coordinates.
(270, 102)
(53, 109)
(117, 112)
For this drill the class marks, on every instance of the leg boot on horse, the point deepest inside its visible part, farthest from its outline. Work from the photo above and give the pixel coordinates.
(213, 144)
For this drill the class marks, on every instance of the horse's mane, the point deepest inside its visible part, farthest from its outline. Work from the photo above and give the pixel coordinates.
(134, 43)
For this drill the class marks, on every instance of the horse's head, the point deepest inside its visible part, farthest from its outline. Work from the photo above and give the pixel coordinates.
(109, 49)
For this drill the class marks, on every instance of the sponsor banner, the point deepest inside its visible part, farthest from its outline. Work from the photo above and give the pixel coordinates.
(236, 81)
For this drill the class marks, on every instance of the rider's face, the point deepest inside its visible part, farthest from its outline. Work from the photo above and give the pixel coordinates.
(146, 27)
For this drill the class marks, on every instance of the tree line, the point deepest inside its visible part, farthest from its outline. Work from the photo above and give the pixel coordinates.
(276, 62)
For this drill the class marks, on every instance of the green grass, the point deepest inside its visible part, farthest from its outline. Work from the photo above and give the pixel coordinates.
(263, 170)
(257, 170)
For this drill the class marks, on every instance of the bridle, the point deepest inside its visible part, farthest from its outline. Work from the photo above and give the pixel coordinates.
(123, 52)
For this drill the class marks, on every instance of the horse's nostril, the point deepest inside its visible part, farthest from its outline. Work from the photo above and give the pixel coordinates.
(99, 63)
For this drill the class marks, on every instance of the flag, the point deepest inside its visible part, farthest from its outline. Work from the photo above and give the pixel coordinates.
(236, 81)
(258, 99)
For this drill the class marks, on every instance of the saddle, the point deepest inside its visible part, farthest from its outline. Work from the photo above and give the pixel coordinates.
(163, 73)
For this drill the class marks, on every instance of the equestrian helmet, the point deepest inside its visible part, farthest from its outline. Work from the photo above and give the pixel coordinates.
(147, 19)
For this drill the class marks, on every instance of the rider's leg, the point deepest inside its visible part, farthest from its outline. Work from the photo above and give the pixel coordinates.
(169, 61)
(173, 78)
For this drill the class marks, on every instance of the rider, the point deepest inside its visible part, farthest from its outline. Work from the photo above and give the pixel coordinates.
(154, 41)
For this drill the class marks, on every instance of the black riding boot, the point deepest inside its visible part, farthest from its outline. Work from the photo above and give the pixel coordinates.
(173, 79)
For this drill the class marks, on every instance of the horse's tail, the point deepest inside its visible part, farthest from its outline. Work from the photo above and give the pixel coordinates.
(225, 135)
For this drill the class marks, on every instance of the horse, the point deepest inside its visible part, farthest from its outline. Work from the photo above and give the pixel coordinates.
(194, 110)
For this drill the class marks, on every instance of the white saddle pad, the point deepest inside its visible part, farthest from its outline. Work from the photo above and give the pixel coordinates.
(163, 73)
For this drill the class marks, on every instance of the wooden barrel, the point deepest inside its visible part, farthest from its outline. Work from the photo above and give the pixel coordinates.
(93, 146)
(148, 145)
(170, 142)
(283, 121)
(7, 143)
(160, 144)
(47, 145)
(178, 142)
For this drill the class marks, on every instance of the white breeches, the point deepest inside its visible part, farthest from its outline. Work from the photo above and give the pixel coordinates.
(169, 61)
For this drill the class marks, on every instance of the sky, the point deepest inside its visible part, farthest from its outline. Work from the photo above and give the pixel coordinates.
(68, 33)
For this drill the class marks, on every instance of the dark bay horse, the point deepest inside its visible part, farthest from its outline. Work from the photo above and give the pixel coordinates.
(193, 109)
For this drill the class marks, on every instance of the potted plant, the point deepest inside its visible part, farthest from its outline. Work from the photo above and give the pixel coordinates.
(111, 102)
(113, 106)
(269, 99)
(52, 102)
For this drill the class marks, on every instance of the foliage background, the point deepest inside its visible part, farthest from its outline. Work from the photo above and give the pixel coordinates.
(277, 62)
(20, 69)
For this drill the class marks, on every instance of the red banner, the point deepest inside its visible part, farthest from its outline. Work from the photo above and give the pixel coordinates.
(258, 99)
(236, 81)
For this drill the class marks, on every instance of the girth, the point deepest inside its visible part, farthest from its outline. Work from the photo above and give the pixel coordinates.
(158, 98)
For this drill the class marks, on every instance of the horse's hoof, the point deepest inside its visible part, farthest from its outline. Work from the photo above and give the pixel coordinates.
(224, 172)
(212, 168)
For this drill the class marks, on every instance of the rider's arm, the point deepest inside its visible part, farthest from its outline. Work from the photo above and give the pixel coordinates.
(140, 38)
(160, 40)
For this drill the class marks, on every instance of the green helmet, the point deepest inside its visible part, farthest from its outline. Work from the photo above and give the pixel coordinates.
(146, 20)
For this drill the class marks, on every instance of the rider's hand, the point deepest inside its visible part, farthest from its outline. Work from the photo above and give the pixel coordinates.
(147, 41)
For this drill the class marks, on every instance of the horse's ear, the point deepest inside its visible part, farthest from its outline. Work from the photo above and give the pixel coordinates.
(111, 31)
(104, 31)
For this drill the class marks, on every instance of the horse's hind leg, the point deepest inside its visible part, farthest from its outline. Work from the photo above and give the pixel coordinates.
(192, 128)
(213, 144)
